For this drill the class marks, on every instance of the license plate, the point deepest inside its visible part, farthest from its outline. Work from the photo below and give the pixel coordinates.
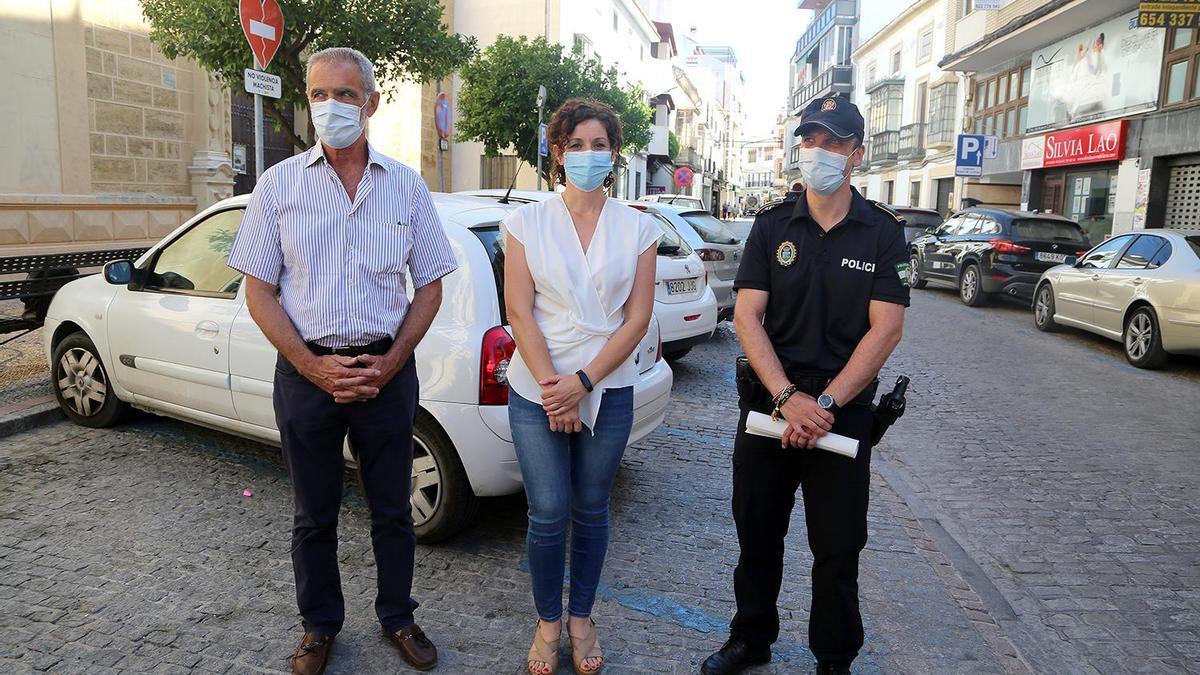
(677, 286)
(1051, 257)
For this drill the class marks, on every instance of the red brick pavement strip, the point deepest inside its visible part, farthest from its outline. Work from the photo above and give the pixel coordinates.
(28, 414)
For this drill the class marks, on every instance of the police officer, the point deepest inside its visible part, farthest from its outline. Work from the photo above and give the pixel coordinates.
(821, 295)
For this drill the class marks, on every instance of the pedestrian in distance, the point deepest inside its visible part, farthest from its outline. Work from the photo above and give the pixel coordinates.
(335, 230)
(822, 290)
(579, 291)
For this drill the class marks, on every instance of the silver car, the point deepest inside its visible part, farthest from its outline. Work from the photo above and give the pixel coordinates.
(715, 243)
(1141, 288)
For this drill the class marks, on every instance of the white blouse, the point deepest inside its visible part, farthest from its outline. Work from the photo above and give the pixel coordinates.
(579, 299)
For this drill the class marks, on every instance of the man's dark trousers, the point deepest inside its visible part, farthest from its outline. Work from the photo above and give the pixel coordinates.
(835, 489)
(312, 427)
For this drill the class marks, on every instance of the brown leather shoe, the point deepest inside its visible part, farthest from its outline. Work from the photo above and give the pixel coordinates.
(417, 649)
(312, 655)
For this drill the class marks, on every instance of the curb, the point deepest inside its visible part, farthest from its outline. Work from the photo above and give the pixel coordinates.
(37, 413)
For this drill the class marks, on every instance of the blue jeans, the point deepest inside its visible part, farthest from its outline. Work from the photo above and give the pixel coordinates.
(568, 476)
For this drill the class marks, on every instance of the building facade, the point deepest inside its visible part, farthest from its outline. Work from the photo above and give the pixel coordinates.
(821, 64)
(119, 145)
(913, 111)
(762, 169)
(1097, 118)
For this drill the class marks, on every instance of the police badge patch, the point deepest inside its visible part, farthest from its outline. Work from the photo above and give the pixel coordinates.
(786, 254)
(904, 271)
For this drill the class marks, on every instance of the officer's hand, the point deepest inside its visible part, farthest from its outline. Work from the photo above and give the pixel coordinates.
(803, 414)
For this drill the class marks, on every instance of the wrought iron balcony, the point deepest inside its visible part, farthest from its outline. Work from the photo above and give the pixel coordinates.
(912, 141)
(884, 148)
(835, 80)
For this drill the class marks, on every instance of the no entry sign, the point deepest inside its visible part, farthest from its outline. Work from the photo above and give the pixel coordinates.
(262, 22)
(684, 177)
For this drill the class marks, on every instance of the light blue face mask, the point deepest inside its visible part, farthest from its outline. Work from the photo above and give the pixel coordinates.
(587, 169)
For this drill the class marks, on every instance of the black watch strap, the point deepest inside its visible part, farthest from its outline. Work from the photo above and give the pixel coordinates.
(587, 383)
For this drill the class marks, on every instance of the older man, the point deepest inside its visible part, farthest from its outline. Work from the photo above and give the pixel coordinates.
(335, 230)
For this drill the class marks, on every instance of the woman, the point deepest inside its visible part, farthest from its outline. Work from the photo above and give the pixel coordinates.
(579, 291)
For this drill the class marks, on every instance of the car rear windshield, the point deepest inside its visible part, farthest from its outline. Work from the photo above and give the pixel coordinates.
(710, 229)
(921, 220)
(493, 242)
(1048, 230)
(688, 202)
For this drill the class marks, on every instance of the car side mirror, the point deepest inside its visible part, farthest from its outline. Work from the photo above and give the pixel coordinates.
(118, 272)
(1071, 260)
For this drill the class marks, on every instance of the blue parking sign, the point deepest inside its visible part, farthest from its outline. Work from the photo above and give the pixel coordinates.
(968, 155)
(543, 141)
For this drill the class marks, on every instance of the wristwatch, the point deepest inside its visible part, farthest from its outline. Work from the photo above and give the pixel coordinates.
(827, 403)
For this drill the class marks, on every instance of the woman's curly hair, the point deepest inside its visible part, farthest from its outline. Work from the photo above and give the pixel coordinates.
(571, 114)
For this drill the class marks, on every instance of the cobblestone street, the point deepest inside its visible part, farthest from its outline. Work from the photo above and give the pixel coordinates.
(1039, 498)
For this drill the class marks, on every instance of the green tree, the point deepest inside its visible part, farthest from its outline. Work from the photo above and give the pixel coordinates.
(672, 145)
(497, 105)
(405, 39)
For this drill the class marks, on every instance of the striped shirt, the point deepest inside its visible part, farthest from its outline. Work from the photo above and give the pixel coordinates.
(340, 265)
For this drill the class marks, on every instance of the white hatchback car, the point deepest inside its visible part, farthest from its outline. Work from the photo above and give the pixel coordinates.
(171, 334)
(683, 301)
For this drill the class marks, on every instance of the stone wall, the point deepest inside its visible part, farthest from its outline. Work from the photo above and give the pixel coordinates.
(140, 112)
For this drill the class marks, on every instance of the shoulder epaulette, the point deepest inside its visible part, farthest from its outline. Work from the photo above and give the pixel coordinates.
(886, 209)
(770, 206)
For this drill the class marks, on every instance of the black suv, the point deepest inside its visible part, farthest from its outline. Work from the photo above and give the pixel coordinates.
(985, 251)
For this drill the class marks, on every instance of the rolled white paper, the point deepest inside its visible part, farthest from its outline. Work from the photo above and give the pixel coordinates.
(759, 424)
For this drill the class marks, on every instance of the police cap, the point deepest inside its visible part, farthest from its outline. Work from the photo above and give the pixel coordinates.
(836, 114)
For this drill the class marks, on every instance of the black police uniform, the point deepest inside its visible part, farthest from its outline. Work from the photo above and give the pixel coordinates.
(821, 285)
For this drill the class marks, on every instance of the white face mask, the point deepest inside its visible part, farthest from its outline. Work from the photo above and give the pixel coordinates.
(823, 171)
(338, 124)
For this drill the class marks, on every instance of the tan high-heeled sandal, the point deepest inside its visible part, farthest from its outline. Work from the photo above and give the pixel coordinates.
(542, 653)
(584, 648)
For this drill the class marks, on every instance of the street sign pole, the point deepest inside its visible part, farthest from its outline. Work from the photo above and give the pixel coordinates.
(541, 101)
(258, 130)
(441, 151)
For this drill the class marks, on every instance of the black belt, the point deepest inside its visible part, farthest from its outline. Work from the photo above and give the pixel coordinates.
(376, 348)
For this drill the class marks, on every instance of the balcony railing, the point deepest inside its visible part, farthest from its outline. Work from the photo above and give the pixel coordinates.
(912, 141)
(835, 79)
(820, 24)
(884, 147)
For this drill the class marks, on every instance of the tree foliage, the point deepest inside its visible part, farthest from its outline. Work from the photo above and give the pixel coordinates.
(497, 105)
(405, 39)
(672, 146)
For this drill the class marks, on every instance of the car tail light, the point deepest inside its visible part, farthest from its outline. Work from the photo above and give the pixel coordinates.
(1006, 246)
(639, 207)
(710, 254)
(498, 349)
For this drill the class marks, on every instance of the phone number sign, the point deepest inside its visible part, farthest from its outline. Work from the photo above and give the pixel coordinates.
(1176, 14)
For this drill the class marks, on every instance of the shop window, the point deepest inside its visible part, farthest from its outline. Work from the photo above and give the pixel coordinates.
(999, 110)
(1181, 67)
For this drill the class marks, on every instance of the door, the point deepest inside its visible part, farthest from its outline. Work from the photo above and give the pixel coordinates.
(945, 186)
(171, 334)
(1118, 286)
(1052, 193)
(277, 144)
(1075, 289)
(935, 259)
(252, 372)
(1183, 194)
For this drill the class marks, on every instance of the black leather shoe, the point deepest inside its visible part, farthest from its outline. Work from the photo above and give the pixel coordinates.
(832, 669)
(735, 657)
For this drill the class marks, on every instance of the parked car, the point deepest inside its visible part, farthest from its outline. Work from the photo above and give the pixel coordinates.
(917, 220)
(686, 201)
(171, 334)
(716, 245)
(683, 300)
(1140, 288)
(984, 251)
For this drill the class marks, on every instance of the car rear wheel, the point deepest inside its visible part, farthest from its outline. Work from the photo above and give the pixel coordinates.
(1043, 309)
(970, 286)
(443, 503)
(918, 280)
(82, 386)
(1143, 341)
